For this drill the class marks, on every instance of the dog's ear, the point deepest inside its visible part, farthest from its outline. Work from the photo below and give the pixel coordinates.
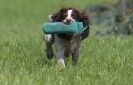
(85, 18)
(56, 17)
(86, 23)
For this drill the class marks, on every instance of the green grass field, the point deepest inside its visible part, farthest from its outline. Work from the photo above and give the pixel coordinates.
(103, 60)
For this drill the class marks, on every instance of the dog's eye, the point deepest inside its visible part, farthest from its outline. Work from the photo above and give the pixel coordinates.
(73, 15)
(65, 14)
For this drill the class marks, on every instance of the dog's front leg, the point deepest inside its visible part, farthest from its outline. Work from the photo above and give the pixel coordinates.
(60, 49)
(76, 49)
(60, 58)
(49, 40)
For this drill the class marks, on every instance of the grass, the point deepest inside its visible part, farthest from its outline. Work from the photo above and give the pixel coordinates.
(103, 60)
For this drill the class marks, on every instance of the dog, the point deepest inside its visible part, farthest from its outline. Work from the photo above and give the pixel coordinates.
(66, 44)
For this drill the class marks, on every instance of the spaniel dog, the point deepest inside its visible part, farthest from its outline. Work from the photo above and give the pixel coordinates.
(66, 44)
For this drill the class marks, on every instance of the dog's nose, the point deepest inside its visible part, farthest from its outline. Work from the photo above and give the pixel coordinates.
(68, 21)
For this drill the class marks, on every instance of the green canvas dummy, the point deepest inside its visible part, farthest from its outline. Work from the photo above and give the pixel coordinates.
(60, 27)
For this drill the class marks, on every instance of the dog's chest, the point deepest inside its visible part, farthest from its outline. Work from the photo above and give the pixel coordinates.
(65, 37)
(72, 44)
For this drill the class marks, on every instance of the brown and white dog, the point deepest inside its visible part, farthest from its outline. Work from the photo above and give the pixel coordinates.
(66, 44)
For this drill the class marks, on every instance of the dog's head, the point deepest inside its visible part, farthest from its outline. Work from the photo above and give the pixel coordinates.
(67, 15)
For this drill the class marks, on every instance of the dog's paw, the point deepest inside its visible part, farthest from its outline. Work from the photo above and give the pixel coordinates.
(61, 64)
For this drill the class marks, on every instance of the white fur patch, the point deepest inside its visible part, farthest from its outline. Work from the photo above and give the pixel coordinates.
(69, 15)
(50, 17)
(48, 37)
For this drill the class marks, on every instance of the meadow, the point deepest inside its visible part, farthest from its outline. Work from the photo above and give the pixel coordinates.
(103, 60)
